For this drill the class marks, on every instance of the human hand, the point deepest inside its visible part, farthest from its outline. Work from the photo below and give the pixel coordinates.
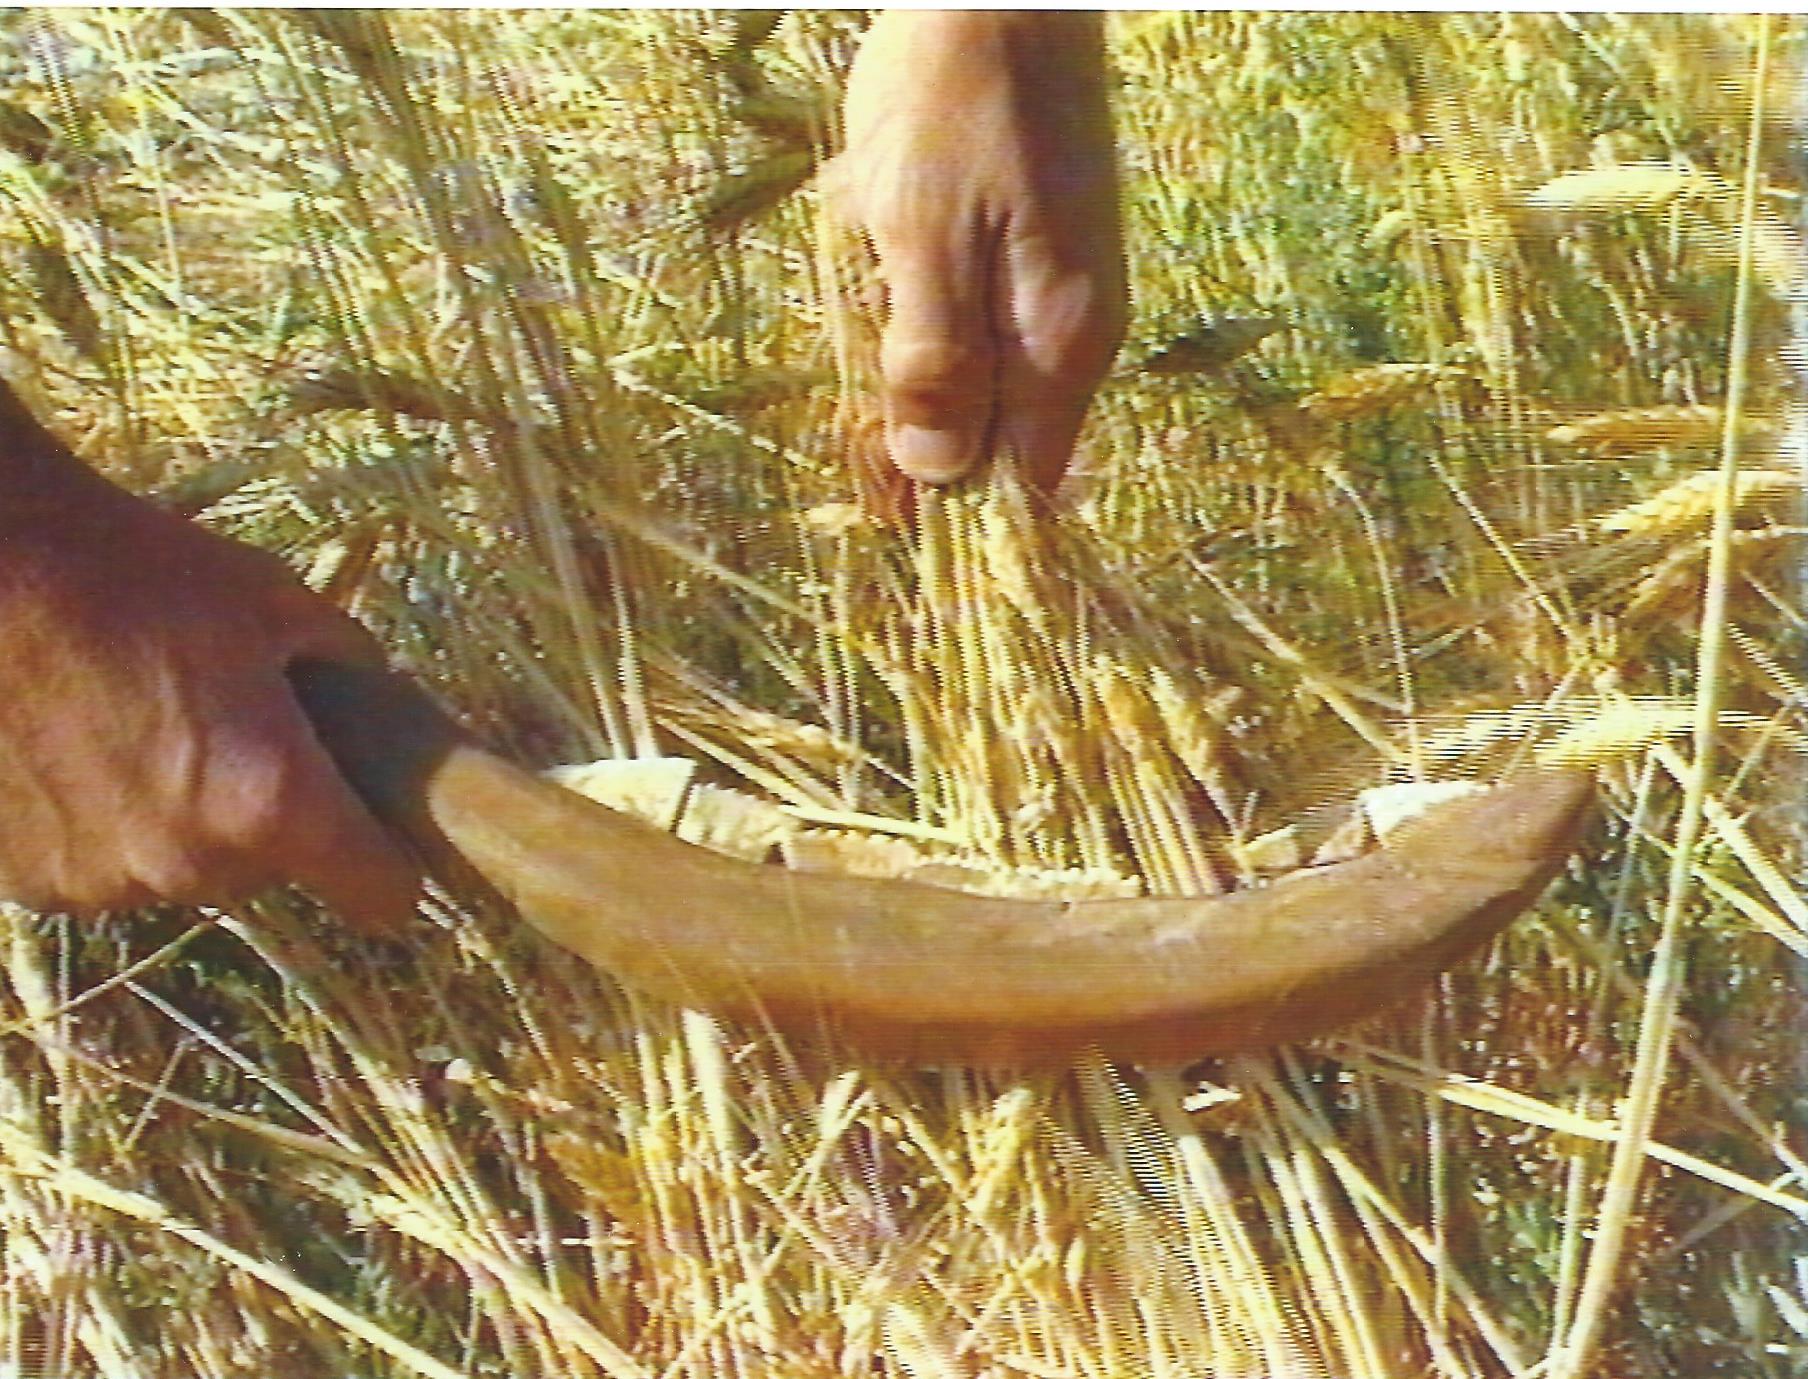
(150, 747)
(979, 160)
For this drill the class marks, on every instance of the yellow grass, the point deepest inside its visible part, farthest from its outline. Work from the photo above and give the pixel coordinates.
(524, 337)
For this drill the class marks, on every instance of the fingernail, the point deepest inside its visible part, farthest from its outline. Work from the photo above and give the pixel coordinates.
(934, 457)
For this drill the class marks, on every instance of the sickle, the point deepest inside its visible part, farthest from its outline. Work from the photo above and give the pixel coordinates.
(932, 975)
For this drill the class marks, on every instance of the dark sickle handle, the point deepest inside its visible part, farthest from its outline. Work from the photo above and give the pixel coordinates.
(388, 738)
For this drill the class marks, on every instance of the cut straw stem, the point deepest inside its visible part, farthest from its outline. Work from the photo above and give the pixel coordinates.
(1601, 1277)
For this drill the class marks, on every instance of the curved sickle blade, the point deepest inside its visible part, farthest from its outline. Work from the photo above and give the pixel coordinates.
(941, 976)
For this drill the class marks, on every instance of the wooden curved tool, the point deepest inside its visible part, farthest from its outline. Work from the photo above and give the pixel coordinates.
(940, 976)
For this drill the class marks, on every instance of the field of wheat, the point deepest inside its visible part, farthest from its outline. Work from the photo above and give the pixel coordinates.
(1460, 423)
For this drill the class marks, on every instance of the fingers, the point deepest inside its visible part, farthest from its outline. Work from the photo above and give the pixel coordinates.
(980, 158)
(937, 359)
(970, 373)
(996, 340)
(1061, 325)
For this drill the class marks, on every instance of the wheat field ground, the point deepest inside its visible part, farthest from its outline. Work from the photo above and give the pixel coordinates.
(1460, 425)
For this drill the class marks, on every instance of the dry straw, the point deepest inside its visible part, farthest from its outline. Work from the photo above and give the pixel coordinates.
(423, 302)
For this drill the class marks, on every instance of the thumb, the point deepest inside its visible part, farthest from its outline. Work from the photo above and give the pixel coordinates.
(938, 363)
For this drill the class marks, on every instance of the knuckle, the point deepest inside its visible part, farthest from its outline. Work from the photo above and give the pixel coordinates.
(26, 894)
(1078, 346)
(48, 887)
(193, 875)
(263, 815)
(170, 872)
(250, 794)
(935, 369)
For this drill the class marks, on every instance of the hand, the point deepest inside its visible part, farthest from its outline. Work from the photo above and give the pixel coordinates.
(150, 748)
(980, 161)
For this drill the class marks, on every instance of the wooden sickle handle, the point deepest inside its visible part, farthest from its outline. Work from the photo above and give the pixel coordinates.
(934, 975)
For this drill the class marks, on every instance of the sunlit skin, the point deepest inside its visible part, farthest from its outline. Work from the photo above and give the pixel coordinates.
(150, 747)
(979, 161)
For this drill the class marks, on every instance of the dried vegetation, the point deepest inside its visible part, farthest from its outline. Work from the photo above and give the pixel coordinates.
(1465, 433)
